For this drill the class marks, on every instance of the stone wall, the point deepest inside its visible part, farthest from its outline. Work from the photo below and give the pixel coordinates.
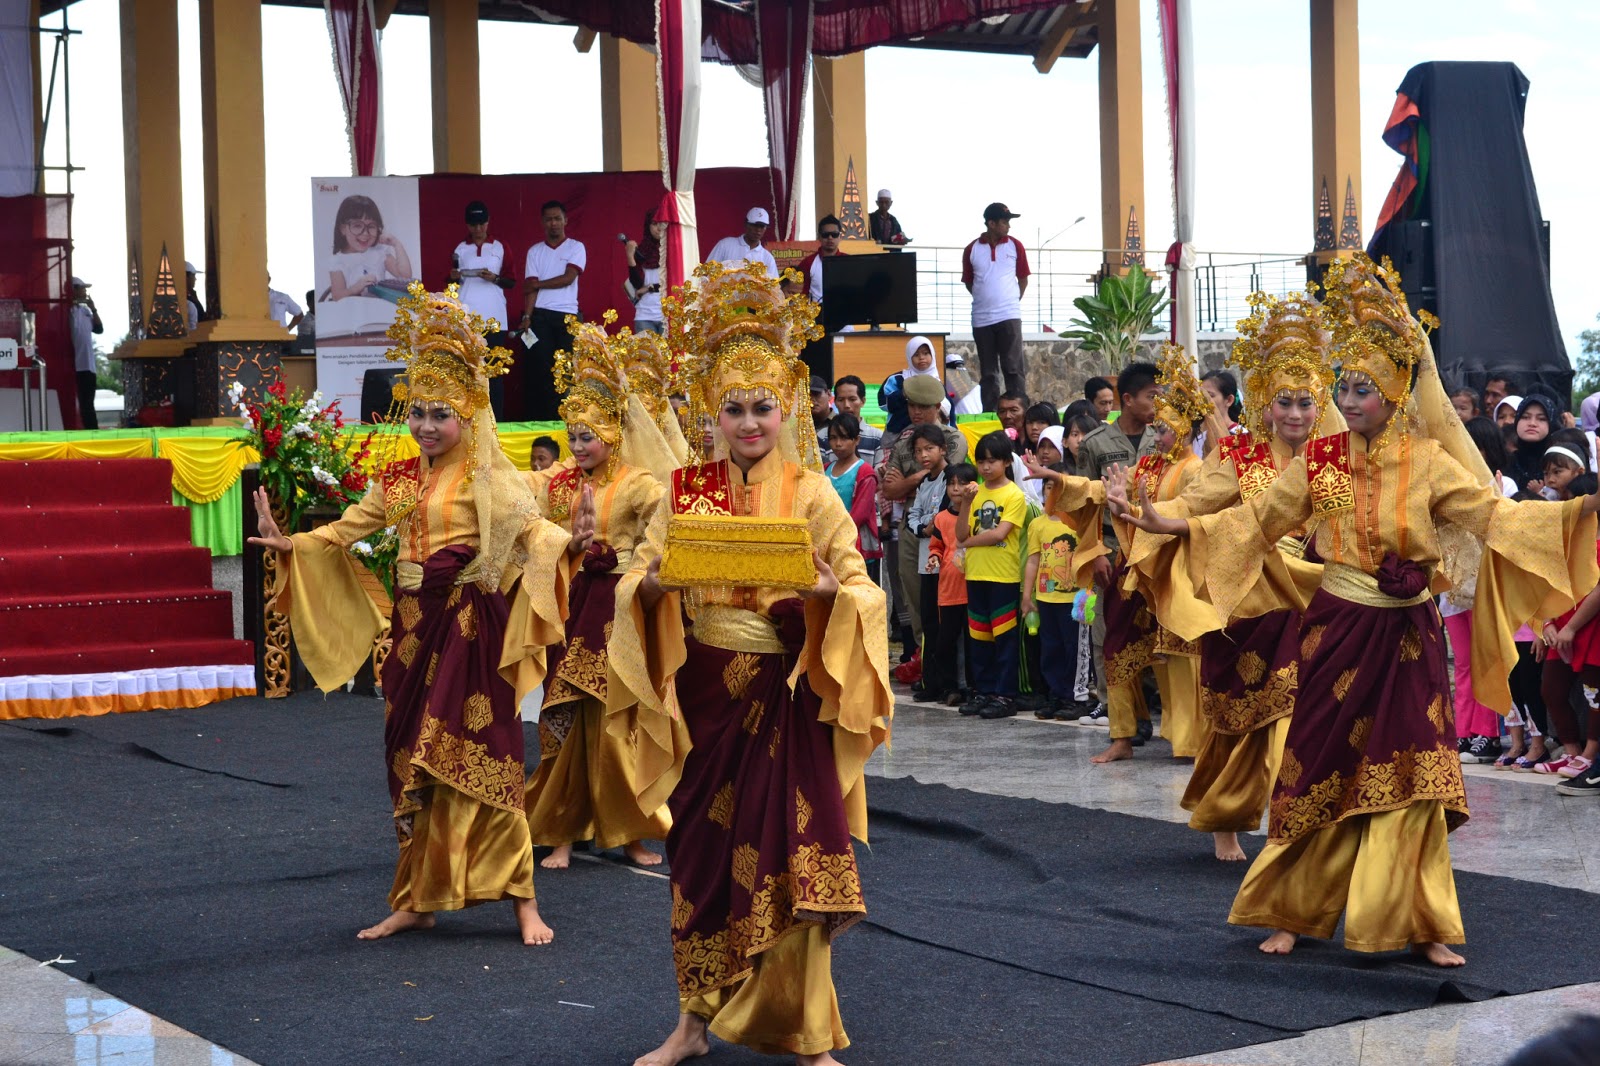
(1057, 368)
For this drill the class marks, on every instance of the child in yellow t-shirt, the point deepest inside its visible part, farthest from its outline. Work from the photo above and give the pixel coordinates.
(989, 527)
(1047, 587)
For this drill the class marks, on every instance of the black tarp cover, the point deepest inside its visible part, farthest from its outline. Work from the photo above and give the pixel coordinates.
(1467, 172)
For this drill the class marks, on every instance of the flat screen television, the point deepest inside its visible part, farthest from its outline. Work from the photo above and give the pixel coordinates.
(868, 290)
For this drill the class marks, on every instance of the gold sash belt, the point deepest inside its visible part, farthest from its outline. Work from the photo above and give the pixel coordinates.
(1358, 586)
(1292, 546)
(408, 575)
(735, 629)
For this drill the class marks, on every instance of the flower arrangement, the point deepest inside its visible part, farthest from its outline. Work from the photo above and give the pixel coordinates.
(304, 463)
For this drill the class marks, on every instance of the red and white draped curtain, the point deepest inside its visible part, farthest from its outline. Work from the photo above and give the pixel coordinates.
(353, 28)
(678, 100)
(1177, 60)
(783, 43)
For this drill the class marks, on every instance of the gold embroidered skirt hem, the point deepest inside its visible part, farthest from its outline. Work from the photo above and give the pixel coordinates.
(786, 1006)
(461, 853)
(585, 786)
(1233, 777)
(1388, 874)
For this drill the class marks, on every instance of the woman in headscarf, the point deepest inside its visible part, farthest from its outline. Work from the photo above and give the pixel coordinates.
(892, 395)
(1370, 782)
(480, 590)
(1536, 417)
(782, 682)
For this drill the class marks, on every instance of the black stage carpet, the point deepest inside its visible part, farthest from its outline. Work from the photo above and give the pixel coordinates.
(212, 866)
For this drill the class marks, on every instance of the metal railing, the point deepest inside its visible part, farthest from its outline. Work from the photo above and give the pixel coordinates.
(1223, 283)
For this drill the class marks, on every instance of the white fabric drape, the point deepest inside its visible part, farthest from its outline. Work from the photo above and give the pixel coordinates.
(678, 49)
(18, 151)
(1177, 44)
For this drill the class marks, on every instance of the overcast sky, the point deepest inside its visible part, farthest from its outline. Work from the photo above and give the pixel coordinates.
(947, 131)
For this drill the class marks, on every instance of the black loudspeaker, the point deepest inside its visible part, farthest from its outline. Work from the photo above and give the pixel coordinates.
(377, 392)
(1412, 251)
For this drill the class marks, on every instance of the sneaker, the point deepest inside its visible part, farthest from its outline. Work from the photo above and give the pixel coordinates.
(1584, 784)
(1045, 712)
(977, 703)
(999, 707)
(1481, 750)
(1096, 716)
(1463, 746)
(1576, 766)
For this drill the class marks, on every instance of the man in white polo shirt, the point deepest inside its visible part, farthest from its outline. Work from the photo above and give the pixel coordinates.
(994, 268)
(550, 294)
(735, 251)
(280, 304)
(84, 322)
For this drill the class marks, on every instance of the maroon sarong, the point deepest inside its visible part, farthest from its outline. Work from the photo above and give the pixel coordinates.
(1249, 672)
(1373, 727)
(1131, 630)
(759, 838)
(449, 717)
(578, 665)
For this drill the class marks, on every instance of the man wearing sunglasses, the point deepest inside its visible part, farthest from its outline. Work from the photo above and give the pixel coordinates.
(747, 247)
(829, 230)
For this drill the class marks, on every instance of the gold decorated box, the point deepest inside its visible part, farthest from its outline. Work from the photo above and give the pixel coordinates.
(728, 551)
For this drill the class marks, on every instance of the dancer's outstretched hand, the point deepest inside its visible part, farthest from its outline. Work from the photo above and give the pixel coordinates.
(271, 536)
(582, 522)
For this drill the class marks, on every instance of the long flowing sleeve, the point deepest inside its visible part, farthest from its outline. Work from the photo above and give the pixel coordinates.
(1538, 561)
(538, 597)
(645, 652)
(334, 622)
(846, 655)
(1227, 550)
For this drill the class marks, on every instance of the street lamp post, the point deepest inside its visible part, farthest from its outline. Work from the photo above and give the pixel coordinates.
(1042, 245)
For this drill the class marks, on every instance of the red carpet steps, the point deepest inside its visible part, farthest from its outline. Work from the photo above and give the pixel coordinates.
(105, 605)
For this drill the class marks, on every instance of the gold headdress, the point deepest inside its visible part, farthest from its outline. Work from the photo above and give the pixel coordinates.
(447, 360)
(737, 335)
(1181, 403)
(1375, 336)
(590, 374)
(647, 369)
(1282, 347)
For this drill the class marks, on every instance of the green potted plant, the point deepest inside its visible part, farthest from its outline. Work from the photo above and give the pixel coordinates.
(1115, 318)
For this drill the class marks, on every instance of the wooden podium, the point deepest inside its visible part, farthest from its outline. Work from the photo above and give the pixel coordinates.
(873, 356)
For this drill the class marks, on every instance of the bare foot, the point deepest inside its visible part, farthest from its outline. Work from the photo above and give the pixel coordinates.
(1437, 954)
(1120, 749)
(398, 922)
(534, 931)
(688, 1041)
(1280, 943)
(640, 855)
(558, 859)
(1227, 845)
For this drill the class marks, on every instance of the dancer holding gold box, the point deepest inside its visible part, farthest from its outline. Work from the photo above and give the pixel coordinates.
(781, 679)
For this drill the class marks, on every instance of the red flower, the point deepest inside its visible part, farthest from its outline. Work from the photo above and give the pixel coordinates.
(354, 481)
(277, 388)
(272, 438)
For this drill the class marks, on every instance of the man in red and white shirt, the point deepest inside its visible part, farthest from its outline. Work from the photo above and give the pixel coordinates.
(994, 268)
(550, 294)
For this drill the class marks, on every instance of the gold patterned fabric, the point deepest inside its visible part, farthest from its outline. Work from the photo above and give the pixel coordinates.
(460, 852)
(585, 786)
(1388, 874)
(1538, 556)
(1233, 776)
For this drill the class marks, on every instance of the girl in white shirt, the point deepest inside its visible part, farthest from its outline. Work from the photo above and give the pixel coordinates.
(363, 254)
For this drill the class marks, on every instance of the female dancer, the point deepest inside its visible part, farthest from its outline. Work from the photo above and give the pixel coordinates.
(1370, 783)
(1248, 672)
(784, 689)
(474, 609)
(587, 778)
(1134, 637)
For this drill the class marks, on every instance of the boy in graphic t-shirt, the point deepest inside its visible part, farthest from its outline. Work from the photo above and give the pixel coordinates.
(1048, 588)
(989, 527)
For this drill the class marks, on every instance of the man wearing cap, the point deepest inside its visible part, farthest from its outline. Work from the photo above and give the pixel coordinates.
(736, 251)
(85, 322)
(477, 266)
(197, 310)
(994, 268)
(882, 226)
(899, 478)
(550, 294)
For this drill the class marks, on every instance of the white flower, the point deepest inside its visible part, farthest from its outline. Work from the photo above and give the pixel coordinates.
(361, 547)
(323, 476)
(235, 392)
(301, 429)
